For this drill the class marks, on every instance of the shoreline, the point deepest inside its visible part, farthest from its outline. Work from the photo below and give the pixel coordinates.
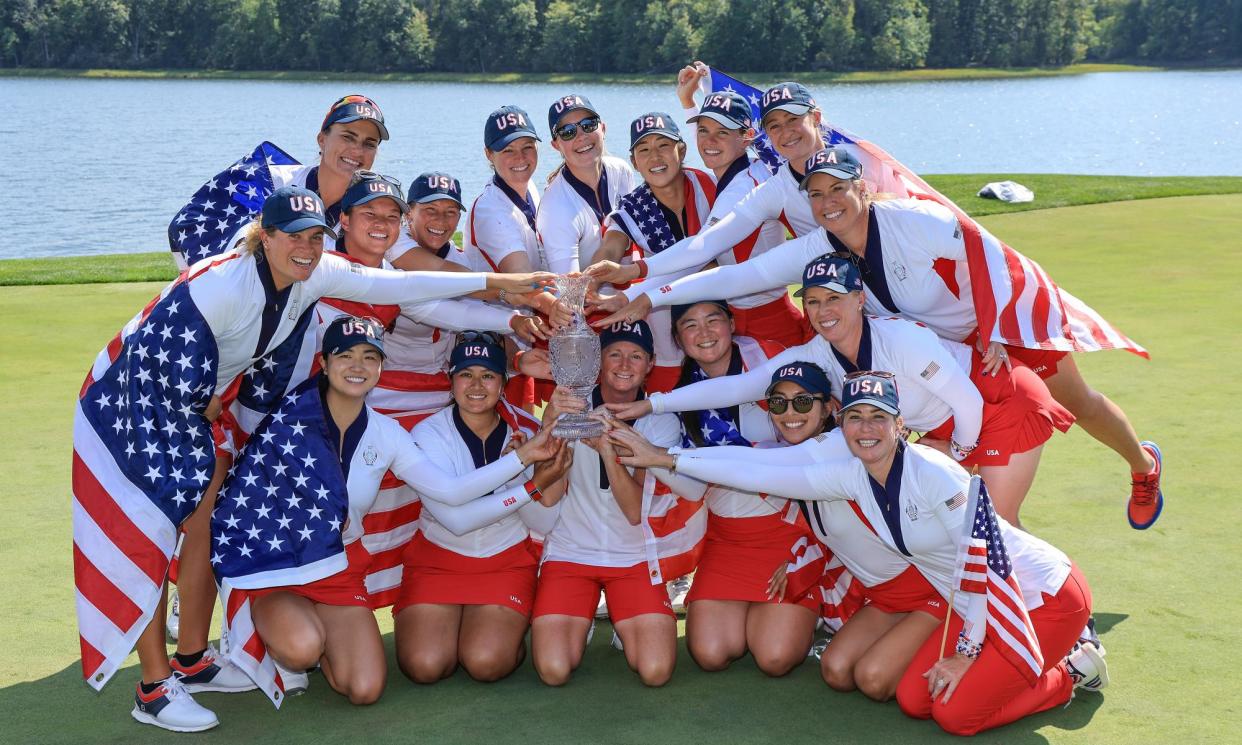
(812, 77)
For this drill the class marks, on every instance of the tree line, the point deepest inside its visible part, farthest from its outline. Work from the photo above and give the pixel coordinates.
(611, 36)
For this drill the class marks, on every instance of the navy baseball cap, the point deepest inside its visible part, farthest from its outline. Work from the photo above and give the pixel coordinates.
(681, 309)
(371, 187)
(653, 123)
(506, 124)
(832, 273)
(566, 104)
(433, 186)
(347, 332)
(478, 348)
(353, 108)
(871, 387)
(728, 108)
(834, 161)
(806, 374)
(790, 96)
(292, 209)
(637, 332)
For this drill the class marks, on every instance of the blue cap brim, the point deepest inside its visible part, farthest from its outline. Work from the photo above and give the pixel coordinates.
(719, 118)
(881, 405)
(383, 131)
(436, 198)
(797, 109)
(379, 347)
(305, 223)
(663, 133)
(372, 197)
(842, 174)
(495, 366)
(503, 142)
(834, 286)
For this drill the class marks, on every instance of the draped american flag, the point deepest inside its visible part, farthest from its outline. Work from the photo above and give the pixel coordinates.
(222, 205)
(1015, 300)
(277, 521)
(143, 453)
(640, 216)
(984, 569)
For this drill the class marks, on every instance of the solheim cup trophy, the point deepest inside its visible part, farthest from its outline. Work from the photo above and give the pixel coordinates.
(575, 359)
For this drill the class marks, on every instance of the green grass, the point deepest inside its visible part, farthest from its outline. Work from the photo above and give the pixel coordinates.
(1051, 190)
(1166, 598)
(868, 76)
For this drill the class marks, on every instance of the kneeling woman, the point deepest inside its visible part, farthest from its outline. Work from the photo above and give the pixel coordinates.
(468, 587)
(917, 499)
(308, 477)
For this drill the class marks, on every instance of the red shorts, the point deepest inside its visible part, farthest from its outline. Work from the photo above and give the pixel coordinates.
(739, 556)
(1043, 362)
(779, 321)
(662, 379)
(570, 589)
(1019, 414)
(346, 587)
(434, 574)
(905, 593)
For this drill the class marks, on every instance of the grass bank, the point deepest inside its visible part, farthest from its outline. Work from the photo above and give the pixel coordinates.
(867, 76)
(1163, 614)
(1051, 190)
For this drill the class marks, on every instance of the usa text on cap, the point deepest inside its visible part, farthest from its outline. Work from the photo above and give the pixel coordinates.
(635, 332)
(506, 124)
(347, 332)
(475, 348)
(354, 108)
(654, 123)
(832, 273)
(728, 108)
(292, 209)
(371, 187)
(566, 104)
(808, 375)
(879, 389)
(834, 161)
(430, 187)
(791, 97)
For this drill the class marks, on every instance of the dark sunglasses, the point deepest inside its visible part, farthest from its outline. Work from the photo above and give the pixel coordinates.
(569, 131)
(362, 174)
(802, 403)
(486, 337)
(871, 374)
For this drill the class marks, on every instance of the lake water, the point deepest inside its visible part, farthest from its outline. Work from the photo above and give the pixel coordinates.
(108, 162)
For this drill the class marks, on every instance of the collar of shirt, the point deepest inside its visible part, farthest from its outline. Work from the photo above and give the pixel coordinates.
(525, 204)
(597, 400)
(888, 497)
(864, 351)
(353, 433)
(482, 451)
(871, 263)
(736, 167)
(274, 302)
(599, 204)
(331, 212)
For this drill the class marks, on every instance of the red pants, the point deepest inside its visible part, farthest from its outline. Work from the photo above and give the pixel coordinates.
(780, 321)
(992, 692)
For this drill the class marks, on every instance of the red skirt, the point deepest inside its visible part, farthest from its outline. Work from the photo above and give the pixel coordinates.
(905, 593)
(1019, 414)
(739, 556)
(346, 587)
(779, 321)
(435, 575)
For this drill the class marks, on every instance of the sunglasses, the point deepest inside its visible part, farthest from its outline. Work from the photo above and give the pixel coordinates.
(871, 374)
(364, 175)
(802, 403)
(569, 131)
(485, 337)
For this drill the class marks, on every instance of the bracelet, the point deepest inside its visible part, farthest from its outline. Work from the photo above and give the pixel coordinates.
(503, 296)
(959, 452)
(517, 356)
(967, 648)
(642, 269)
(673, 467)
(532, 491)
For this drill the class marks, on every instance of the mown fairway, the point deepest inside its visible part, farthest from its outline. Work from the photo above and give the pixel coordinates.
(1165, 271)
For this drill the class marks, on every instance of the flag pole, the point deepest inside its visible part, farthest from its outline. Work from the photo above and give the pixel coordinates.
(972, 498)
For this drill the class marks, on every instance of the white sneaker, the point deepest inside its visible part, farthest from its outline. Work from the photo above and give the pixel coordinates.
(172, 707)
(212, 673)
(173, 627)
(1087, 667)
(590, 633)
(677, 590)
(616, 642)
(818, 647)
(601, 608)
(295, 683)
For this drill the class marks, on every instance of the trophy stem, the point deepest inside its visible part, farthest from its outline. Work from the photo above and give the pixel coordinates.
(574, 425)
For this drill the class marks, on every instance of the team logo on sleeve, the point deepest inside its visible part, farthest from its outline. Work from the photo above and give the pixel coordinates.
(930, 371)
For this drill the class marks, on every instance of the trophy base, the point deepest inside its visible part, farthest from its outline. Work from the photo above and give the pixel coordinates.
(577, 427)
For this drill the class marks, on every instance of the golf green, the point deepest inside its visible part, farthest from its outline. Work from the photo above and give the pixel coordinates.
(1166, 271)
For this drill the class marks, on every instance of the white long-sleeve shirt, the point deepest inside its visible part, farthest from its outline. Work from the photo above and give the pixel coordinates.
(570, 229)
(497, 226)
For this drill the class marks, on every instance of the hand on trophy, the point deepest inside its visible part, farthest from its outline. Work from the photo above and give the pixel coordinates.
(635, 310)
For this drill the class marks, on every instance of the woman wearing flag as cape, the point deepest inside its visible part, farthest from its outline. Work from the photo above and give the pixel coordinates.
(288, 524)
(1018, 602)
(923, 261)
(143, 442)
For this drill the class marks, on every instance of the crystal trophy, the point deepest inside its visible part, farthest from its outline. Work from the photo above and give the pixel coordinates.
(575, 360)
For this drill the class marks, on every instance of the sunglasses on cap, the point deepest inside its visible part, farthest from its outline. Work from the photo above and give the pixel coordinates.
(567, 132)
(364, 175)
(486, 337)
(884, 374)
(802, 403)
